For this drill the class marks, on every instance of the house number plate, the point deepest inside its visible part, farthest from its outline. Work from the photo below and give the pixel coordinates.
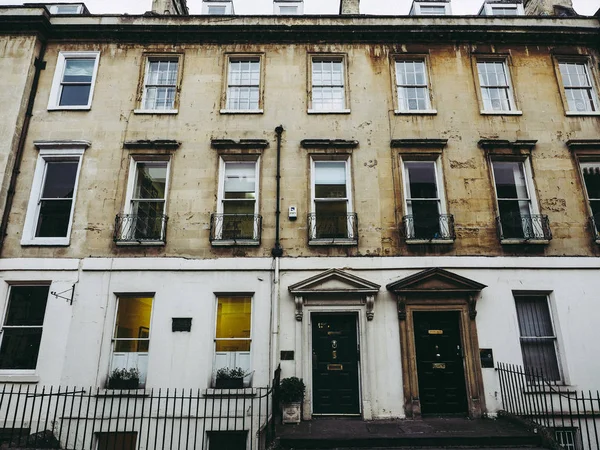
(439, 365)
(335, 367)
(436, 331)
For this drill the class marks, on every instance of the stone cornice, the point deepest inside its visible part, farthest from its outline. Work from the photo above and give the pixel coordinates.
(278, 29)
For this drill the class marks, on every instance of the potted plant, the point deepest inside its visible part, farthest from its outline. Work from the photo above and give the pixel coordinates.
(230, 378)
(124, 379)
(291, 394)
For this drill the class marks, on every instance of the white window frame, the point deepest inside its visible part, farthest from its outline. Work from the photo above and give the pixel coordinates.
(33, 207)
(529, 186)
(277, 5)
(234, 58)
(314, 159)
(591, 88)
(177, 86)
(223, 161)
(582, 165)
(234, 357)
(439, 181)
(2, 326)
(131, 180)
(488, 9)
(508, 88)
(207, 5)
(55, 92)
(328, 58)
(553, 337)
(417, 8)
(113, 340)
(427, 86)
(54, 9)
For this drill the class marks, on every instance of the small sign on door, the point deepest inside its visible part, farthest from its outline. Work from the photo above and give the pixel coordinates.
(435, 331)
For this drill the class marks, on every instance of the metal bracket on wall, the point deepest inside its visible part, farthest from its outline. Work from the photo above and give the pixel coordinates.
(69, 299)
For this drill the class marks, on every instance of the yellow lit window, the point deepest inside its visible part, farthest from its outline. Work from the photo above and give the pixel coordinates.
(233, 324)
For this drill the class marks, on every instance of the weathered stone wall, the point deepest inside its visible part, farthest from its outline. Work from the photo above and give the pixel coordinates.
(377, 181)
(17, 56)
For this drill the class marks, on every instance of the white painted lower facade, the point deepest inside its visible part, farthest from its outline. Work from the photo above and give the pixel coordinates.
(76, 341)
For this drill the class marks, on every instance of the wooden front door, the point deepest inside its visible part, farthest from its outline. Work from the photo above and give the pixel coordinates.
(440, 369)
(335, 357)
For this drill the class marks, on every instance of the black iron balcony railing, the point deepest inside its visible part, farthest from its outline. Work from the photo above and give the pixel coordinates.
(140, 229)
(533, 227)
(595, 225)
(333, 229)
(235, 229)
(429, 228)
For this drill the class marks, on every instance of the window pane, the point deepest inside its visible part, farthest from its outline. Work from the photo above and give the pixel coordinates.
(421, 179)
(331, 220)
(225, 345)
(54, 218)
(541, 357)
(60, 179)
(233, 317)
(428, 10)
(288, 10)
(117, 441)
(79, 70)
(240, 177)
(534, 316)
(133, 318)
(26, 305)
(20, 348)
(217, 10)
(510, 179)
(591, 176)
(151, 180)
(75, 95)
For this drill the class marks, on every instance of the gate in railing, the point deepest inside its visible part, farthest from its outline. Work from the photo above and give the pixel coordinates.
(33, 417)
(571, 417)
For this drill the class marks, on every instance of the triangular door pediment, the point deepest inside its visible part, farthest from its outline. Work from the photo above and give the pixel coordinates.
(334, 281)
(435, 280)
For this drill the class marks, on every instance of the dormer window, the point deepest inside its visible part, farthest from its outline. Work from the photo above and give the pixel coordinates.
(420, 8)
(71, 9)
(502, 9)
(288, 8)
(217, 8)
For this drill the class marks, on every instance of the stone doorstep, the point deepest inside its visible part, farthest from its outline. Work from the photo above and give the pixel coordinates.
(430, 432)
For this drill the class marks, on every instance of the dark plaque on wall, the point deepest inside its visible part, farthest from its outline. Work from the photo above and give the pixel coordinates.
(287, 355)
(182, 323)
(487, 358)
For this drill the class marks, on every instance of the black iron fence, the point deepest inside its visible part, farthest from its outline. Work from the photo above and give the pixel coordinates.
(530, 227)
(429, 227)
(235, 228)
(140, 228)
(33, 417)
(571, 417)
(333, 228)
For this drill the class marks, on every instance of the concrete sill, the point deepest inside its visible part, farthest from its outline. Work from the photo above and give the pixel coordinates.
(232, 243)
(21, 379)
(45, 242)
(241, 392)
(241, 111)
(140, 243)
(155, 111)
(330, 242)
(582, 113)
(142, 392)
(70, 108)
(423, 112)
(524, 242)
(318, 111)
(501, 113)
(429, 241)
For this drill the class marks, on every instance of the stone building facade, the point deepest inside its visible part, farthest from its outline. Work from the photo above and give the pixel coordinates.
(351, 198)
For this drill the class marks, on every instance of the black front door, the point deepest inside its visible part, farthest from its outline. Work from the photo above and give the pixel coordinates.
(440, 367)
(335, 364)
